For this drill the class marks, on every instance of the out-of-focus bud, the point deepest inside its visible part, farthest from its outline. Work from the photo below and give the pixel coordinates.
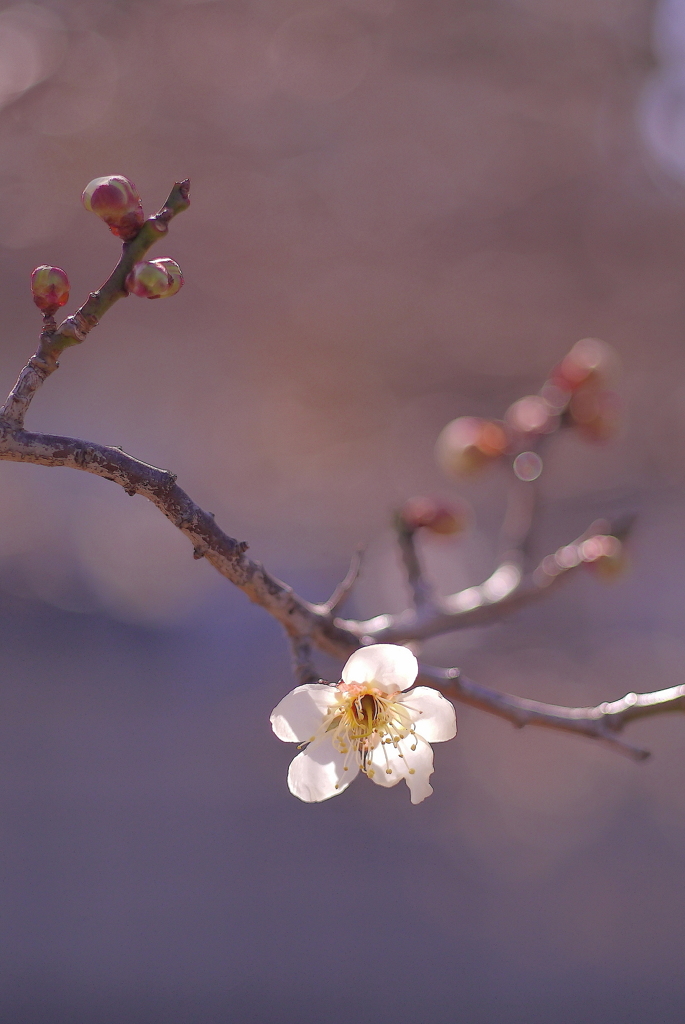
(468, 444)
(441, 517)
(157, 279)
(115, 199)
(594, 413)
(50, 287)
(605, 555)
(556, 397)
(589, 359)
(531, 415)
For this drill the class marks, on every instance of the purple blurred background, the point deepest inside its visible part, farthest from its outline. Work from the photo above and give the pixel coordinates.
(402, 211)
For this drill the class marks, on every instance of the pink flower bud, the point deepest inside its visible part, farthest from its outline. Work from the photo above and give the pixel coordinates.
(115, 199)
(50, 287)
(588, 360)
(469, 444)
(157, 279)
(174, 271)
(531, 415)
(435, 515)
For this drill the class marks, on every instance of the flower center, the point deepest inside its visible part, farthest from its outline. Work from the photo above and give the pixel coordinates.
(365, 715)
(364, 718)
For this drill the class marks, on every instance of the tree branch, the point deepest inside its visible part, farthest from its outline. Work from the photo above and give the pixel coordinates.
(421, 590)
(303, 666)
(309, 625)
(75, 328)
(299, 617)
(602, 722)
(505, 591)
(305, 623)
(344, 588)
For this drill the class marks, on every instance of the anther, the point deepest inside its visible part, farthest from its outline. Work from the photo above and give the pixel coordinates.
(388, 771)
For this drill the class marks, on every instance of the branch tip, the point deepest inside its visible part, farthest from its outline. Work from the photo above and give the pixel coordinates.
(344, 588)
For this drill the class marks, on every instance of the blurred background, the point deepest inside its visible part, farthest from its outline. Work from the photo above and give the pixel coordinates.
(402, 211)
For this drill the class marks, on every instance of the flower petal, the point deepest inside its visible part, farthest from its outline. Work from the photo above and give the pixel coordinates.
(388, 666)
(301, 712)
(434, 716)
(318, 773)
(390, 764)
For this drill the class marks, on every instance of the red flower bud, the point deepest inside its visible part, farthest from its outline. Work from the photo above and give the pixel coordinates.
(50, 287)
(115, 199)
(468, 444)
(531, 415)
(174, 271)
(435, 515)
(157, 279)
(589, 359)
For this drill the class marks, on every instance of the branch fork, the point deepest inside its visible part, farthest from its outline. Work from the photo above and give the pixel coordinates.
(310, 626)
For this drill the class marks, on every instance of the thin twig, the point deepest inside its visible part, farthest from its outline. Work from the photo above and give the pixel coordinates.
(519, 517)
(505, 591)
(602, 722)
(344, 588)
(75, 328)
(419, 586)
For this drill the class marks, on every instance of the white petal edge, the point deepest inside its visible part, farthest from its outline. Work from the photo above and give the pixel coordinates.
(421, 760)
(387, 666)
(318, 773)
(297, 717)
(434, 716)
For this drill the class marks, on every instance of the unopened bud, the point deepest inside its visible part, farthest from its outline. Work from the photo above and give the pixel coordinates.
(441, 517)
(468, 444)
(531, 415)
(50, 287)
(115, 199)
(589, 359)
(157, 279)
(175, 276)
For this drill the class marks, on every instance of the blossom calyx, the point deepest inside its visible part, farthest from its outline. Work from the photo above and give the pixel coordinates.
(50, 287)
(156, 279)
(115, 199)
(366, 723)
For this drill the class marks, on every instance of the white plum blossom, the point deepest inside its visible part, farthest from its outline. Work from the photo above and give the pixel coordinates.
(367, 723)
